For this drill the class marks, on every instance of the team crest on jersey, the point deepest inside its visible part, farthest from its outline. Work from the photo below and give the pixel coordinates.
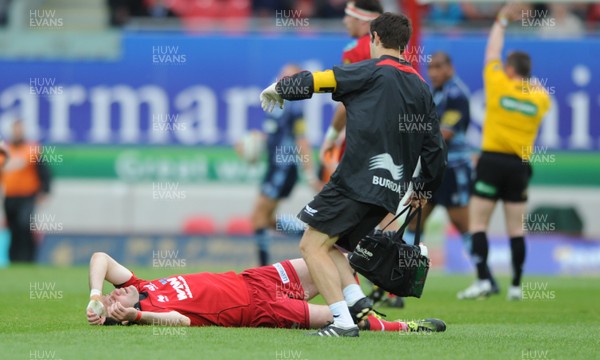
(151, 287)
(351, 45)
(162, 281)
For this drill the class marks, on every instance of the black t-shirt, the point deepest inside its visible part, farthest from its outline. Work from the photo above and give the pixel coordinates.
(391, 121)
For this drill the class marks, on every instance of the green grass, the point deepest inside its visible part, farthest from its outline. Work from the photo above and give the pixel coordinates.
(565, 327)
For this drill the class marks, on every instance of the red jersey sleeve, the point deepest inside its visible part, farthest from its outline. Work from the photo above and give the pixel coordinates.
(357, 50)
(133, 280)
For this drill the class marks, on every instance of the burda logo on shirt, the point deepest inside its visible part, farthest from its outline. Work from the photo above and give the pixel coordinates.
(181, 287)
(386, 162)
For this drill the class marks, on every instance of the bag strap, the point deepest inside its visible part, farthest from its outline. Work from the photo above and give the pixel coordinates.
(397, 216)
(409, 217)
(411, 214)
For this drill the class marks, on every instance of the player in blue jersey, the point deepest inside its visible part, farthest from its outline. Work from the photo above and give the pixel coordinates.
(287, 149)
(451, 97)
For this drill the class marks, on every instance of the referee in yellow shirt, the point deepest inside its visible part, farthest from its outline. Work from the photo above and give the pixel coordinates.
(514, 110)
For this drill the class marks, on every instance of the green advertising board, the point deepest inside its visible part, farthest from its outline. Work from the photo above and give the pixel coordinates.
(221, 164)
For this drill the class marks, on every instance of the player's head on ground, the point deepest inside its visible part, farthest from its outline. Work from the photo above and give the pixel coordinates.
(126, 296)
(389, 34)
(440, 69)
(359, 13)
(518, 65)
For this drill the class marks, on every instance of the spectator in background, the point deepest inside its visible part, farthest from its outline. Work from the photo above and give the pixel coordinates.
(25, 180)
(330, 8)
(4, 5)
(3, 154)
(562, 23)
(446, 14)
(122, 10)
(480, 11)
(267, 8)
(158, 8)
(593, 16)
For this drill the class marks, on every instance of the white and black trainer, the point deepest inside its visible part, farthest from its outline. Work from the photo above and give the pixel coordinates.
(336, 331)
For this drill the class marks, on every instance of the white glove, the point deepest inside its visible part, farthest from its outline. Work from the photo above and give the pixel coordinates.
(269, 97)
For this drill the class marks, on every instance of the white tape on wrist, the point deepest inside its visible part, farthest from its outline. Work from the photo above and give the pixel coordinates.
(97, 307)
(331, 134)
(95, 292)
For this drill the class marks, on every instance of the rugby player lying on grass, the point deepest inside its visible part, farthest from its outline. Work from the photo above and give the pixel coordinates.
(269, 296)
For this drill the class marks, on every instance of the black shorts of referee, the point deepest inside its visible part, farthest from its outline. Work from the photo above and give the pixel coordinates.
(502, 176)
(335, 214)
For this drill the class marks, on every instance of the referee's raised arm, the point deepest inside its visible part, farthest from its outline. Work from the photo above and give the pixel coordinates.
(495, 42)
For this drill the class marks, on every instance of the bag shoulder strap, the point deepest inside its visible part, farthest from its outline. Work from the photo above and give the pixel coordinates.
(397, 216)
(409, 217)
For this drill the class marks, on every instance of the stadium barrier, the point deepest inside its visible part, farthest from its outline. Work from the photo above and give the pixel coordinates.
(546, 255)
(162, 251)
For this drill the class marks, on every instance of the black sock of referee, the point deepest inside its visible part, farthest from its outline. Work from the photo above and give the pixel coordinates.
(480, 252)
(517, 248)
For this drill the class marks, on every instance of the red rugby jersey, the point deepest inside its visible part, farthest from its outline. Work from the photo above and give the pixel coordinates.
(206, 298)
(357, 50)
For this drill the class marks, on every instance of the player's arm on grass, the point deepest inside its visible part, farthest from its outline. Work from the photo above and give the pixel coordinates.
(128, 314)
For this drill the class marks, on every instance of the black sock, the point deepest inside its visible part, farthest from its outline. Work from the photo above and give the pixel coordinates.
(263, 241)
(517, 248)
(480, 253)
(492, 279)
(263, 257)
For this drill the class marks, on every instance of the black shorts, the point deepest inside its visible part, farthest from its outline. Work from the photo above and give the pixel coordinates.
(455, 188)
(502, 176)
(279, 181)
(335, 214)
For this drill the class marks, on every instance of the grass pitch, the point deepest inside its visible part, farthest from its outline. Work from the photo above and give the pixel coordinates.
(43, 317)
